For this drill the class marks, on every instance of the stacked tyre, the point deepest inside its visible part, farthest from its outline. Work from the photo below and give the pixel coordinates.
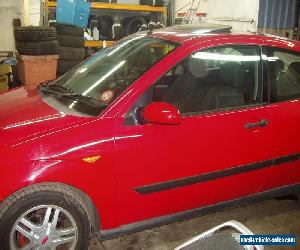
(158, 3)
(36, 40)
(71, 47)
(133, 24)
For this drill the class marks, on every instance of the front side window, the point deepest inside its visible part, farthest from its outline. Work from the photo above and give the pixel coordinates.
(284, 74)
(213, 79)
(95, 83)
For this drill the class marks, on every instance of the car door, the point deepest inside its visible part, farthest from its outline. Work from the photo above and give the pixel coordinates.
(219, 152)
(284, 74)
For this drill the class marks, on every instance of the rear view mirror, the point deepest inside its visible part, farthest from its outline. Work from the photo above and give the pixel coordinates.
(161, 113)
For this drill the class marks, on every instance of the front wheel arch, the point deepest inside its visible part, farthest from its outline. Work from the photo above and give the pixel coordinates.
(89, 205)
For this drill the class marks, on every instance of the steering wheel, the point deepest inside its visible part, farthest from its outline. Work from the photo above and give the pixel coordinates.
(121, 77)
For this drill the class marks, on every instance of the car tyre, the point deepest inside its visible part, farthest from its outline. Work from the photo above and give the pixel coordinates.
(134, 24)
(35, 33)
(26, 211)
(119, 32)
(158, 3)
(37, 48)
(105, 27)
(69, 30)
(69, 53)
(70, 41)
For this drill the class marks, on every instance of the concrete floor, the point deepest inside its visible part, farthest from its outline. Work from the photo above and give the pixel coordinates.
(268, 217)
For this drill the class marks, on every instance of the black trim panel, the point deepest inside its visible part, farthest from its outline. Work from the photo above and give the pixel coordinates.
(287, 158)
(143, 225)
(157, 187)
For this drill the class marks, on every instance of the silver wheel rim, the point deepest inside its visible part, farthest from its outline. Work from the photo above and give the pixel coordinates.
(45, 227)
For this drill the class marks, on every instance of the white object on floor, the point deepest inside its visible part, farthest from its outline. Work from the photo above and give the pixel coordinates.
(239, 227)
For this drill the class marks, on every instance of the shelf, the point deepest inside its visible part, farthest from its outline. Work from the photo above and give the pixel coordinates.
(129, 7)
(98, 44)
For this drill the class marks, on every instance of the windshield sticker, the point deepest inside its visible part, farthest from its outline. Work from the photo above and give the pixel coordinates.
(107, 96)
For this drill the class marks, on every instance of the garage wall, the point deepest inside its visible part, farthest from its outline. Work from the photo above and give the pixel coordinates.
(14, 9)
(242, 15)
(34, 12)
(8, 11)
(277, 17)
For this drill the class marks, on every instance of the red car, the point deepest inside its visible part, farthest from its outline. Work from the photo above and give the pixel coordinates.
(162, 126)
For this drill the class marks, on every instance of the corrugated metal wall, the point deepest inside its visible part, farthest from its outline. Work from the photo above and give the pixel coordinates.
(277, 17)
(8, 11)
(277, 14)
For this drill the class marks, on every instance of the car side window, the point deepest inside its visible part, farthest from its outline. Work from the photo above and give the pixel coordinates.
(284, 74)
(218, 78)
(213, 79)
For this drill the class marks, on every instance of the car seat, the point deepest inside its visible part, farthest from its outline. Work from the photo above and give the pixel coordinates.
(186, 83)
(288, 84)
(227, 92)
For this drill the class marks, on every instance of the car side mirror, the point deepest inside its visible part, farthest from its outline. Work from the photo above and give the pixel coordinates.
(161, 113)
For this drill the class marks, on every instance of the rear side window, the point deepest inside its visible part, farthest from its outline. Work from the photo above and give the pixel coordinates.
(284, 74)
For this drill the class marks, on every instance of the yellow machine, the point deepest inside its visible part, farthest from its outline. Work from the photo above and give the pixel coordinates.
(5, 71)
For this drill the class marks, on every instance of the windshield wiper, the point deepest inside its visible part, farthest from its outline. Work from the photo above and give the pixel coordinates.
(84, 99)
(63, 92)
(55, 89)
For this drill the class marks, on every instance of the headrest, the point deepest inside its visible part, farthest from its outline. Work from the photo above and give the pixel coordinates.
(196, 67)
(231, 73)
(179, 70)
(294, 68)
(275, 68)
(279, 65)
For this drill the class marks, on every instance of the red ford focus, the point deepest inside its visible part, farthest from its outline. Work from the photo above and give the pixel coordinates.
(162, 126)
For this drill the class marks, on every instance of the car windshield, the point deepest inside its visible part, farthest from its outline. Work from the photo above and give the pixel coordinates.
(95, 83)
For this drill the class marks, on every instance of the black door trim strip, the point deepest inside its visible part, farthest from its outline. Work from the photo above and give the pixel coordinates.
(293, 189)
(157, 187)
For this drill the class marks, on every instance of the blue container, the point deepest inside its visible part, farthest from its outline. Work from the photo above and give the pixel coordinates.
(74, 12)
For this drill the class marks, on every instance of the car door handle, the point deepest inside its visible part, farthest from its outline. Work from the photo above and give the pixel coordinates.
(261, 123)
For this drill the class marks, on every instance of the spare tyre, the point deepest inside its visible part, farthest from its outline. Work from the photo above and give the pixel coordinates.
(134, 24)
(69, 30)
(105, 24)
(37, 48)
(158, 3)
(35, 33)
(70, 41)
(118, 32)
(73, 54)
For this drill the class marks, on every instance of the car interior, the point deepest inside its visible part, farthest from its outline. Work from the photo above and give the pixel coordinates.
(284, 82)
(197, 85)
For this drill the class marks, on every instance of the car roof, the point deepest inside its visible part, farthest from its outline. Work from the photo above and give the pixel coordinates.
(197, 32)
